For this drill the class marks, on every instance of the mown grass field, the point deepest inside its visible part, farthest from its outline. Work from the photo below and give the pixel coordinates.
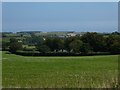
(59, 72)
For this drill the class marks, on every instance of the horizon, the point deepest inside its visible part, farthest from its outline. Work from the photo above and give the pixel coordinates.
(65, 16)
(57, 31)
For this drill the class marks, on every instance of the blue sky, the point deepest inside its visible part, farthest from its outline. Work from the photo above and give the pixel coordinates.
(60, 0)
(64, 16)
(0, 17)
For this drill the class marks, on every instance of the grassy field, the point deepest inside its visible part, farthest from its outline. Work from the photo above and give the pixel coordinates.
(60, 72)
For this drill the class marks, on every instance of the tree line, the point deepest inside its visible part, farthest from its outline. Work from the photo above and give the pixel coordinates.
(89, 42)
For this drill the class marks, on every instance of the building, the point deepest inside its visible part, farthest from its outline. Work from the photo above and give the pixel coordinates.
(71, 34)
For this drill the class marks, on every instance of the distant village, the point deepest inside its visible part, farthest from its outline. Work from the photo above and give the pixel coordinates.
(60, 34)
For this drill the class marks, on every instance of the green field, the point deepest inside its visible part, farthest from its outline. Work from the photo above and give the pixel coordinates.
(60, 72)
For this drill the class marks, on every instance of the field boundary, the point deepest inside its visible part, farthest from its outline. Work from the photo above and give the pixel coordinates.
(31, 53)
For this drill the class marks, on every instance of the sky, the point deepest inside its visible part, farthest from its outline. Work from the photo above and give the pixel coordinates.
(60, 16)
(60, 0)
(0, 17)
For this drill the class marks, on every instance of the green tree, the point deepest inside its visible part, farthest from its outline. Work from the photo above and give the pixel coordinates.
(33, 40)
(15, 45)
(43, 48)
(49, 43)
(58, 44)
(55, 44)
(85, 48)
(95, 40)
(113, 43)
(75, 46)
(115, 47)
(5, 45)
(67, 42)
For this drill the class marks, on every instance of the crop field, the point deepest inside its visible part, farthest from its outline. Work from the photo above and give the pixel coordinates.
(59, 72)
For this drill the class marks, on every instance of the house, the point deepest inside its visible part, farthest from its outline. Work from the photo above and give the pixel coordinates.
(71, 34)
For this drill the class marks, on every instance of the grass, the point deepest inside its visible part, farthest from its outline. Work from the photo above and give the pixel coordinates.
(60, 72)
(0, 70)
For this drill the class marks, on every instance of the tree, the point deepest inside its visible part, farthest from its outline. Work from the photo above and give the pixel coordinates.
(5, 45)
(95, 40)
(67, 42)
(116, 33)
(75, 46)
(55, 44)
(15, 45)
(115, 47)
(43, 48)
(113, 43)
(61, 44)
(33, 40)
(85, 48)
(58, 44)
(49, 43)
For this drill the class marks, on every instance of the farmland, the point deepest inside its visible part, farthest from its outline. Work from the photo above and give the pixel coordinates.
(59, 72)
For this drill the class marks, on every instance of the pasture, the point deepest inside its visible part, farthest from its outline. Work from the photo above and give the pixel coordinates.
(59, 72)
